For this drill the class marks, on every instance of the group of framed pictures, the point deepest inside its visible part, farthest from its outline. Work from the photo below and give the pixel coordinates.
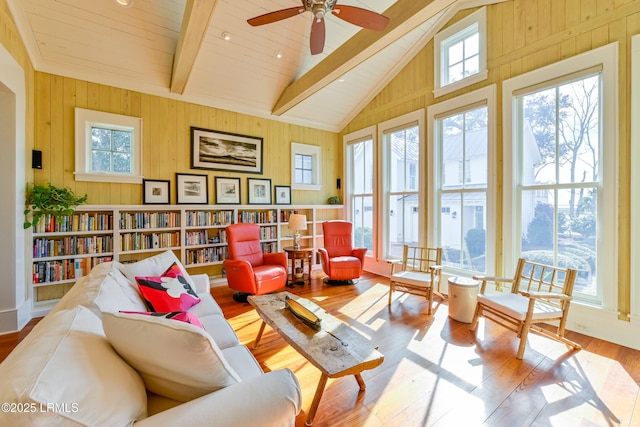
(193, 189)
(216, 150)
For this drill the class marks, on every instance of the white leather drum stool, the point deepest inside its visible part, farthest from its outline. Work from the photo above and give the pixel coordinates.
(463, 295)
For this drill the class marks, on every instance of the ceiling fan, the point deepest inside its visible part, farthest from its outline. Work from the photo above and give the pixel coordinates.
(320, 8)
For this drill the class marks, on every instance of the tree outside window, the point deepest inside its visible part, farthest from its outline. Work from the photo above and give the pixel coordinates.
(560, 144)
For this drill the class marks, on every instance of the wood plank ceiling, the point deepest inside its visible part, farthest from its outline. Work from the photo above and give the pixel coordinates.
(175, 48)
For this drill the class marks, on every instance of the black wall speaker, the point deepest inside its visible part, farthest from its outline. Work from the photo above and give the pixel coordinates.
(338, 183)
(36, 159)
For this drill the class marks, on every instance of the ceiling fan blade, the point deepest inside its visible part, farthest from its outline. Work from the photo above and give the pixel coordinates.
(278, 15)
(361, 17)
(317, 36)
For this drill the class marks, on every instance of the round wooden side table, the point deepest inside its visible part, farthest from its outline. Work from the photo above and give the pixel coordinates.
(299, 254)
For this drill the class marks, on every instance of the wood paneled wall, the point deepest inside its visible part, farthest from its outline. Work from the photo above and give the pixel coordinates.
(525, 35)
(166, 135)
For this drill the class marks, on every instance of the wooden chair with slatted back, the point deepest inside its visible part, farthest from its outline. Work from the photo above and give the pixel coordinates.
(539, 294)
(418, 273)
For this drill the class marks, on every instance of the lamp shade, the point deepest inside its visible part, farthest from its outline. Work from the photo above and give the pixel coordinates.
(297, 222)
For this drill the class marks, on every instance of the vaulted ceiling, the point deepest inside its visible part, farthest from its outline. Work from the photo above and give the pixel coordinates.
(176, 49)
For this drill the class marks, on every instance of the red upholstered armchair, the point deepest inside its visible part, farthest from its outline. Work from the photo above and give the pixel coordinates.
(340, 260)
(249, 271)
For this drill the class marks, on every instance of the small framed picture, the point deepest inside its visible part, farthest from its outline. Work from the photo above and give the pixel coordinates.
(259, 191)
(282, 194)
(192, 189)
(156, 191)
(227, 191)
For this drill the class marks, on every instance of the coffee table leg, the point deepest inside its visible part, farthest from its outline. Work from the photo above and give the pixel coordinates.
(316, 399)
(363, 387)
(255, 345)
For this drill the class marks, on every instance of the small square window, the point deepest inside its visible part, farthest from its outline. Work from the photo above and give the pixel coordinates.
(305, 167)
(460, 54)
(108, 147)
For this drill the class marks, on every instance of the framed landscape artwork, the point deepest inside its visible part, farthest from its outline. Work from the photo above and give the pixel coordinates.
(259, 191)
(215, 150)
(192, 189)
(282, 194)
(227, 191)
(156, 191)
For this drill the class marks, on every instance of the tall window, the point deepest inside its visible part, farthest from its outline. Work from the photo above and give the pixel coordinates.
(559, 129)
(462, 200)
(401, 153)
(463, 140)
(360, 190)
(563, 207)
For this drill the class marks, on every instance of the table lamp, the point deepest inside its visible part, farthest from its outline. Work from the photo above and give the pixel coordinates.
(297, 222)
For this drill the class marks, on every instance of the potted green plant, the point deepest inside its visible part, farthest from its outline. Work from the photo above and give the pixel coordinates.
(49, 200)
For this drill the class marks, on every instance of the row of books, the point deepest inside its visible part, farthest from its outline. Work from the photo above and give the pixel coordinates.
(269, 247)
(145, 220)
(268, 233)
(72, 245)
(258, 217)
(66, 269)
(139, 241)
(200, 219)
(204, 255)
(76, 222)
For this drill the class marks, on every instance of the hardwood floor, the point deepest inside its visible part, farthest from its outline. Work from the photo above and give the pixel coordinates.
(435, 372)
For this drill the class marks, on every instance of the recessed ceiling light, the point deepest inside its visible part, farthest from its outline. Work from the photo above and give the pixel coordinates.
(125, 3)
(279, 54)
(226, 36)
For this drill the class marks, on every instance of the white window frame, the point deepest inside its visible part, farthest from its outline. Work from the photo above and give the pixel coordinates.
(416, 117)
(450, 36)
(314, 152)
(85, 120)
(462, 103)
(607, 58)
(352, 138)
(634, 315)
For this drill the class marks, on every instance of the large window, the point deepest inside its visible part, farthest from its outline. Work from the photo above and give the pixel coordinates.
(563, 194)
(359, 155)
(108, 147)
(462, 153)
(401, 158)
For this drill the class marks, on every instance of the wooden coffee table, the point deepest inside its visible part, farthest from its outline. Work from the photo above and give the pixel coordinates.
(336, 349)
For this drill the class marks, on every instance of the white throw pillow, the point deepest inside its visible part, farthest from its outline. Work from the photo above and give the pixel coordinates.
(68, 373)
(154, 266)
(175, 359)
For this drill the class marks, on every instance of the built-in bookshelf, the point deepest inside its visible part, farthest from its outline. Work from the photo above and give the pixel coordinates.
(65, 248)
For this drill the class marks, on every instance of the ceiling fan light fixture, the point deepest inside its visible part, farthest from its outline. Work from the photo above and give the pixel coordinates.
(226, 36)
(125, 3)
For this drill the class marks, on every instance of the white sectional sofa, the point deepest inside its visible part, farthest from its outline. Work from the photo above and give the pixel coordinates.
(88, 364)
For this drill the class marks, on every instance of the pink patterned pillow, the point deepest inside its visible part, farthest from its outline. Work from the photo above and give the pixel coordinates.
(169, 292)
(181, 316)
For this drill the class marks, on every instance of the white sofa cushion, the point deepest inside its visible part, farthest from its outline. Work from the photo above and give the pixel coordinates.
(104, 289)
(175, 359)
(154, 266)
(66, 369)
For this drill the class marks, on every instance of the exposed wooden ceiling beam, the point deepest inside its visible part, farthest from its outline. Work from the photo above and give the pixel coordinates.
(404, 15)
(197, 14)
